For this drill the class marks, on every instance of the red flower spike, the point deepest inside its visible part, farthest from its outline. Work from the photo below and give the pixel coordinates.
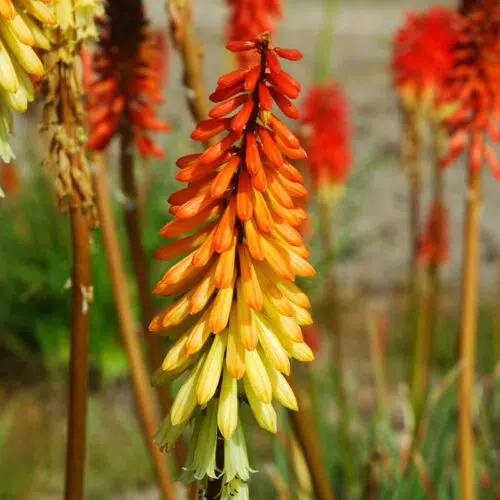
(240, 211)
(423, 57)
(327, 132)
(123, 80)
(474, 77)
(247, 19)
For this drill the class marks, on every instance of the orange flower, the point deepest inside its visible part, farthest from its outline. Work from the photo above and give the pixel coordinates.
(239, 308)
(248, 19)
(434, 243)
(423, 57)
(475, 80)
(328, 131)
(124, 79)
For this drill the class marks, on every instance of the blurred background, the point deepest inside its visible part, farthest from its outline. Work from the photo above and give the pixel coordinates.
(371, 247)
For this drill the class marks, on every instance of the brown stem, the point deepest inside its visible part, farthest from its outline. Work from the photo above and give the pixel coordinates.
(138, 371)
(181, 26)
(78, 386)
(306, 436)
(467, 340)
(141, 271)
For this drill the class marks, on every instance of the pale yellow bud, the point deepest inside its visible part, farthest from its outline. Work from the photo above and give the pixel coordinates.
(235, 352)
(221, 308)
(257, 378)
(185, 400)
(271, 345)
(8, 78)
(263, 412)
(227, 416)
(282, 391)
(212, 368)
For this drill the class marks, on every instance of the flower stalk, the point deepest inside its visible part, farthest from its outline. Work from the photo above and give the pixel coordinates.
(182, 30)
(140, 380)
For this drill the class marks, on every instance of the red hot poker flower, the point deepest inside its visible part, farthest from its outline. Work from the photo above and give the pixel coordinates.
(327, 131)
(423, 57)
(248, 19)
(475, 80)
(237, 221)
(434, 243)
(124, 80)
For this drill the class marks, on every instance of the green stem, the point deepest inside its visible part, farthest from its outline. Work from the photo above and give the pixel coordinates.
(325, 43)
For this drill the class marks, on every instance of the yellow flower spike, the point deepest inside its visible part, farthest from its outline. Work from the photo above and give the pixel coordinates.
(202, 292)
(301, 315)
(198, 335)
(298, 350)
(264, 413)
(221, 308)
(176, 355)
(41, 41)
(256, 376)
(283, 325)
(39, 10)
(8, 78)
(24, 54)
(235, 352)
(227, 416)
(21, 31)
(185, 400)
(273, 293)
(282, 391)
(271, 345)
(246, 320)
(212, 368)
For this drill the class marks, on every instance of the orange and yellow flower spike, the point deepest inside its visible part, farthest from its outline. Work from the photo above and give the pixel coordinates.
(236, 222)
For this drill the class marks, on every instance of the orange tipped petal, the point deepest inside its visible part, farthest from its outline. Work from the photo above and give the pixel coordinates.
(252, 156)
(177, 227)
(262, 213)
(244, 205)
(228, 106)
(223, 179)
(278, 261)
(249, 281)
(226, 228)
(225, 269)
(240, 120)
(269, 147)
(253, 238)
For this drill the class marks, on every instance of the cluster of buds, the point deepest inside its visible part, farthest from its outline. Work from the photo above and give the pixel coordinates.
(124, 80)
(63, 112)
(327, 132)
(249, 18)
(422, 60)
(474, 79)
(240, 313)
(22, 25)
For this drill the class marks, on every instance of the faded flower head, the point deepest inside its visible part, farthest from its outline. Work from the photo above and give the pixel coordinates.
(327, 133)
(474, 78)
(239, 314)
(124, 79)
(423, 58)
(21, 32)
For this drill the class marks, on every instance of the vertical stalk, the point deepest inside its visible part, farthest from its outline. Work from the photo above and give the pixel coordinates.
(141, 271)
(81, 296)
(308, 440)
(468, 327)
(430, 289)
(181, 23)
(78, 385)
(325, 43)
(412, 158)
(334, 321)
(138, 371)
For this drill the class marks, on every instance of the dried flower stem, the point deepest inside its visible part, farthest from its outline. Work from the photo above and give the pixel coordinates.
(308, 440)
(80, 278)
(141, 271)
(81, 290)
(467, 341)
(181, 26)
(140, 380)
